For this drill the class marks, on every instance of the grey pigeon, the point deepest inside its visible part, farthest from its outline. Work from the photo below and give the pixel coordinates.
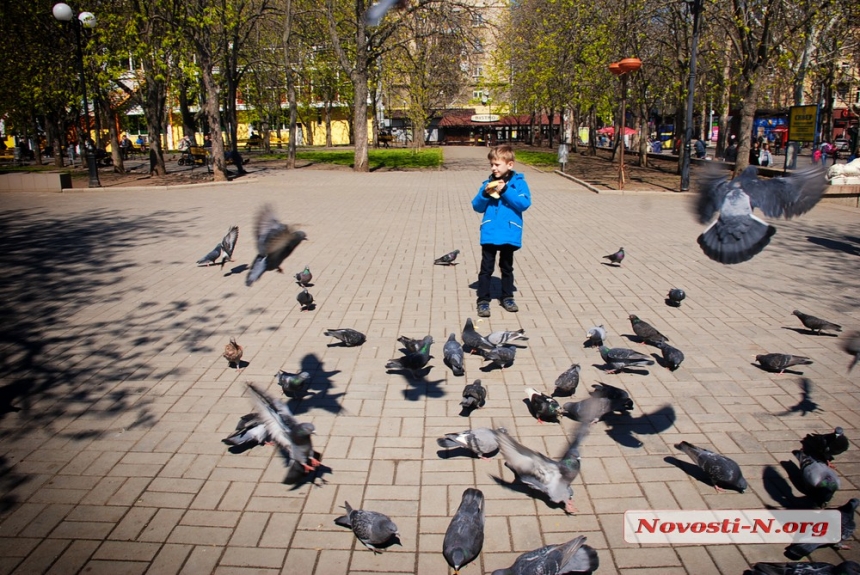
(465, 535)
(481, 441)
(304, 277)
(373, 16)
(672, 356)
(447, 259)
(589, 410)
(542, 406)
(294, 384)
(851, 345)
(571, 557)
(305, 299)
(504, 337)
(596, 335)
(722, 471)
(566, 383)
(285, 430)
(619, 398)
(370, 527)
(816, 324)
(849, 524)
(737, 235)
(620, 358)
(348, 336)
(474, 395)
(413, 361)
(411, 345)
(812, 568)
(250, 431)
(676, 296)
(825, 446)
(275, 242)
(819, 480)
(452, 353)
(472, 339)
(227, 245)
(779, 362)
(646, 332)
(615, 258)
(503, 356)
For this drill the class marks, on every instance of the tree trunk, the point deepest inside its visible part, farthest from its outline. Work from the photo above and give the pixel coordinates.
(723, 139)
(189, 127)
(115, 150)
(213, 115)
(748, 107)
(328, 138)
(155, 96)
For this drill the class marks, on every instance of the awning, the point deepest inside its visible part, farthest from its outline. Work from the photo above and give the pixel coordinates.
(610, 131)
(467, 119)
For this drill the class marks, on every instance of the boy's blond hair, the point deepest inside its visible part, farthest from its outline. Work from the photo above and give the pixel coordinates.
(504, 153)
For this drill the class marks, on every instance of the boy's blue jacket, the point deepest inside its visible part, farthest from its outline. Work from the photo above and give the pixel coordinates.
(503, 218)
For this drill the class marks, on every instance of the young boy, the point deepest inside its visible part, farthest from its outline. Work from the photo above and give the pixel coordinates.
(502, 198)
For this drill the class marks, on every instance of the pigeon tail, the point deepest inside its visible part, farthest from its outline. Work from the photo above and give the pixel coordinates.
(733, 240)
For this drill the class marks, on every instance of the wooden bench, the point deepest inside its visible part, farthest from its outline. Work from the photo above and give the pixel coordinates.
(255, 142)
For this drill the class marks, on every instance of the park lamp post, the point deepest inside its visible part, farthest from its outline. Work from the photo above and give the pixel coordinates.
(64, 13)
(695, 9)
(622, 68)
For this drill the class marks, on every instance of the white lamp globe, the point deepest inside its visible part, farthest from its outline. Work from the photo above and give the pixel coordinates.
(62, 12)
(88, 19)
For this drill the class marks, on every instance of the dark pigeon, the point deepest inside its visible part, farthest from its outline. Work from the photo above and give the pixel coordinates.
(676, 296)
(816, 324)
(305, 299)
(849, 524)
(820, 482)
(825, 446)
(452, 353)
(779, 362)
(481, 441)
(304, 277)
(571, 557)
(474, 395)
(615, 258)
(851, 345)
(348, 336)
(503, 356)
(567, 382)
(275, 242)
(620, 398)
(447, 259)
(646, 332)
(596, 335)
(722, 471)
(227, 245)
(465, 535)
(620, 358)
(409, 344)
(250, 431)
(413, 361)
(294, 384)
(542, 406)
(473, 340)
(370, 527)
(812, 568)
(672, 356)
(737, 235)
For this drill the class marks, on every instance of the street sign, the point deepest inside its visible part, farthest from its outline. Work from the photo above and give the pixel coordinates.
(802, 123)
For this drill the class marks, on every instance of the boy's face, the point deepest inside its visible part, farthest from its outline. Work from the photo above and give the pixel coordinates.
(500, 167)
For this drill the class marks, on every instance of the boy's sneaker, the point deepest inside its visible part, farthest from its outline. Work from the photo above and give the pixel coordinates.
(510, 305)
(483, 309)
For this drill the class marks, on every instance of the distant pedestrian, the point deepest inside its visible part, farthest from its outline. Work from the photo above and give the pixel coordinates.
(755, 151)
(700, 149)
(125, 146)
(764, 156)
(731, 154)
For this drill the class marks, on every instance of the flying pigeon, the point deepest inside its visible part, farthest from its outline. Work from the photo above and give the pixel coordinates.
(465, 535)
(503, 356)
(233, 353)
(542, 406)
(472, 339)
(737, 235)
(596, 336)
(370, 527)
(811, 568)
(846, 514)
(566, 383)
(646, 332)
(568, 558)
(481, 441)
(620, 398)
(305, 299)
(304, 277)
(373, 16)
(779, 362)
(616, 257)
(275, 242)
(348, 336)
(249, 431)
(589, 410)
(676, 296)
(851, 345)
(227, 245)
(672, 356)
(816, 324)
(293, 384)
(447, 259)
(291, 436)
(452, 353)
(819, 480)
(474, 395)
(825, 446)
(409, 344)
(620, 358)
(721, 470)
(413, 361)
(498, 338)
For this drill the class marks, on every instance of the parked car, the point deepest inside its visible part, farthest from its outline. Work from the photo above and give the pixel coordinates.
(841, 144)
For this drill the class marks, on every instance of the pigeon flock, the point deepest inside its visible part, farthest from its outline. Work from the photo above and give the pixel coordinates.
(546, 477)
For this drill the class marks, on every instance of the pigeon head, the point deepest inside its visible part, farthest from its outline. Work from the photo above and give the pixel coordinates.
(838, 431)
(633, 318)
(305, 429)
(742, 484)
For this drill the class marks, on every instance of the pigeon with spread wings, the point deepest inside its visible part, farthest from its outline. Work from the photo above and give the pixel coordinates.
(275, 242)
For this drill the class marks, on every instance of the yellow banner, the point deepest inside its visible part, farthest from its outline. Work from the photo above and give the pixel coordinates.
(802, 121)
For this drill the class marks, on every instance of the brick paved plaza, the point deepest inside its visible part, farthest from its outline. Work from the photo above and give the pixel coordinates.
(115, 396)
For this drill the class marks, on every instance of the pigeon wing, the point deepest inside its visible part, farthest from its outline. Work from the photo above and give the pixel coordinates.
(712, 185)
(786, 197)
(228, 243)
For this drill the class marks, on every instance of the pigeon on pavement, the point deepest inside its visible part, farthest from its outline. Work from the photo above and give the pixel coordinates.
(737, 235)
(672, 356)
(816, 324)
(566, 383)
(825, 446)
(567, 558)
(275, 242)
(498, 338)
(620, 358)
(473, 340)
(413, 361)
(846, 513)
(676, 296)
(227, 245)
(542, 406)
(348, 336)
(474, 395)
(819, 480)
(722, 471)
(503, 356)
(620, 398)
(811, 568)
(596, 336)
(481, 441)
(616, 257)
(304, 277)
(779, 362)
(646, 332)
(250, 431)
(452, 355)
(370, 527)
(305, 299)
(233, 353)
(409, 344)
(465, 535)
(589, 410)
(293, 384)
(447, 259)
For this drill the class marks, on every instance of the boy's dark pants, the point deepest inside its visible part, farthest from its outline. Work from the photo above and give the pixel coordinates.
(506, 266)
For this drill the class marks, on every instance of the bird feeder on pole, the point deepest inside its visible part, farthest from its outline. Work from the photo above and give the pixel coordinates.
(622, 68)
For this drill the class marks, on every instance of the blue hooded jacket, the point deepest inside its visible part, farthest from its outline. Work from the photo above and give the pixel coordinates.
(503, 218)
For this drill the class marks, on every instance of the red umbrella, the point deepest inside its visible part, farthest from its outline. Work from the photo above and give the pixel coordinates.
(610, 130)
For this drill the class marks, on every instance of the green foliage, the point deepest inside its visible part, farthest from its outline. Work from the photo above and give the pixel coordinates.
(391, 159)
(535, 158)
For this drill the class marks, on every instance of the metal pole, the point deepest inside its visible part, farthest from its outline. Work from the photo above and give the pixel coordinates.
(695, 8)
(621, 130)
(86, 152)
